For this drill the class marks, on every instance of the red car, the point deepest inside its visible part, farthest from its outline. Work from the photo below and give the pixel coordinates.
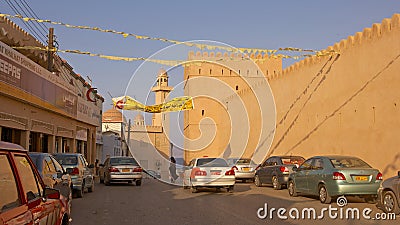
(24, 199)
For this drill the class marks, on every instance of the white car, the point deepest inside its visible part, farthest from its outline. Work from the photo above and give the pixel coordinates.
(209, 172)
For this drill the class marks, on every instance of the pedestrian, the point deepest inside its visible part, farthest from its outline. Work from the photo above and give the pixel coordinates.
(96, 165)
(172, 170)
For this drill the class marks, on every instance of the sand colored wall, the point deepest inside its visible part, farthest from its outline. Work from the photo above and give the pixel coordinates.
(225, 121)
(348, 104)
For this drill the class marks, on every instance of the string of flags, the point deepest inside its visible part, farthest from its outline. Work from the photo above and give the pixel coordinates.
(164, 62)
(190, 44)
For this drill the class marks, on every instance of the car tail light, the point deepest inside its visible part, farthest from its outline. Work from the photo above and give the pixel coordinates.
(230, 172)
(113, 169)
(74, 171)
(200, 173)
(379, 176)
(338, 176)
(284, 169)
(138, 169)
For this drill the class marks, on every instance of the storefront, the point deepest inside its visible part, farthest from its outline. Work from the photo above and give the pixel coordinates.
(44, 111)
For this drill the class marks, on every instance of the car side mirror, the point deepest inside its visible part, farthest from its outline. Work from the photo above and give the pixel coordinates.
(295, 169)
(91, 166)
(51, 193)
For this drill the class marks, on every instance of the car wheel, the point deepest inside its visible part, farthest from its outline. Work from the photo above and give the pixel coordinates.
(275, 183)
(324, 195)
(390, 204)
(138, 182)
(79, 193)
(91, 188)
(257, 181)
(292, 189)
(230, 189)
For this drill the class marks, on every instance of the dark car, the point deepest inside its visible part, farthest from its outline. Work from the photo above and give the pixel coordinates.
(54, 176)
(24, 198)
(329, 177)
(389, 195)
(81, 172)
(275, 170)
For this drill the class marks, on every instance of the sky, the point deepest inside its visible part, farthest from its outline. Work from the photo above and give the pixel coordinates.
(253, 24)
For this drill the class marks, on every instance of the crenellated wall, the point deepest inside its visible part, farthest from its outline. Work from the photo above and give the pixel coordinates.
(346, 104)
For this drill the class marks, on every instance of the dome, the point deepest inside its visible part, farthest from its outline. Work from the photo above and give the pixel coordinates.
(139, 117)
(113, 116)
(162, 73)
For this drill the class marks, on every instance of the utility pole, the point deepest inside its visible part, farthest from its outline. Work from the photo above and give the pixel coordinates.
(50, 47)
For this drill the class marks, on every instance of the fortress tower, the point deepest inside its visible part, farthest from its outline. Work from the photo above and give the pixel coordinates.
(218, 81)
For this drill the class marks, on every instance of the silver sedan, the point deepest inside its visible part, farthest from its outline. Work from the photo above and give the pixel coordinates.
(120, 168)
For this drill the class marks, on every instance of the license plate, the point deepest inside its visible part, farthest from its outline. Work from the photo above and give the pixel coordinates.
(361, 178)
(126, 170)
(246, 169)
(215, 172)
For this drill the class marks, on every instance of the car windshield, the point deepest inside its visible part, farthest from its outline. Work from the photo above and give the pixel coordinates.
(349, 163)
(212, 162)
(294, 160)
(123, 161)
(67, 159)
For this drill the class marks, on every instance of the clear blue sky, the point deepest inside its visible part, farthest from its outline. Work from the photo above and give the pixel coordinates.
(255, 24)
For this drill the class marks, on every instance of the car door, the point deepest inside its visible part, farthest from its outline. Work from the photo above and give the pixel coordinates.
(12, 209)
(301, 176)
(270, 170)
(262, 171)
(315, 175)
(44, 212)
(87, 173)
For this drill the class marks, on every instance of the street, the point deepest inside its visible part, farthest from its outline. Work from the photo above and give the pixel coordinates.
(158, 203)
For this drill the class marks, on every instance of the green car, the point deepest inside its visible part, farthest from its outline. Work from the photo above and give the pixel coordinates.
(332, 176)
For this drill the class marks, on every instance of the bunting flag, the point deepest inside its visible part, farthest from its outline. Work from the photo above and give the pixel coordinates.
(171, 62)
(174, 105)
(141, 37)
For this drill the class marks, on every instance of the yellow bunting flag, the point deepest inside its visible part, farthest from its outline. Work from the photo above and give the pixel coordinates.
(175, 104)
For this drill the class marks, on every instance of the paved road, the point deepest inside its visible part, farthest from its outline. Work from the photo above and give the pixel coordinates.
(158, 203)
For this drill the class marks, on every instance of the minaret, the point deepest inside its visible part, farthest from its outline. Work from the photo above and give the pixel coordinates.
(161, 91)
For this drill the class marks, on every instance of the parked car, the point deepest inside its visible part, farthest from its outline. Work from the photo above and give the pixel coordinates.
(153, 174)
(120, 168)
(275, 170)
(332, 176)
(209, 172)
(244, 168)
(24, 198)
(54, 176)
(80, 171)
(389, 195)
